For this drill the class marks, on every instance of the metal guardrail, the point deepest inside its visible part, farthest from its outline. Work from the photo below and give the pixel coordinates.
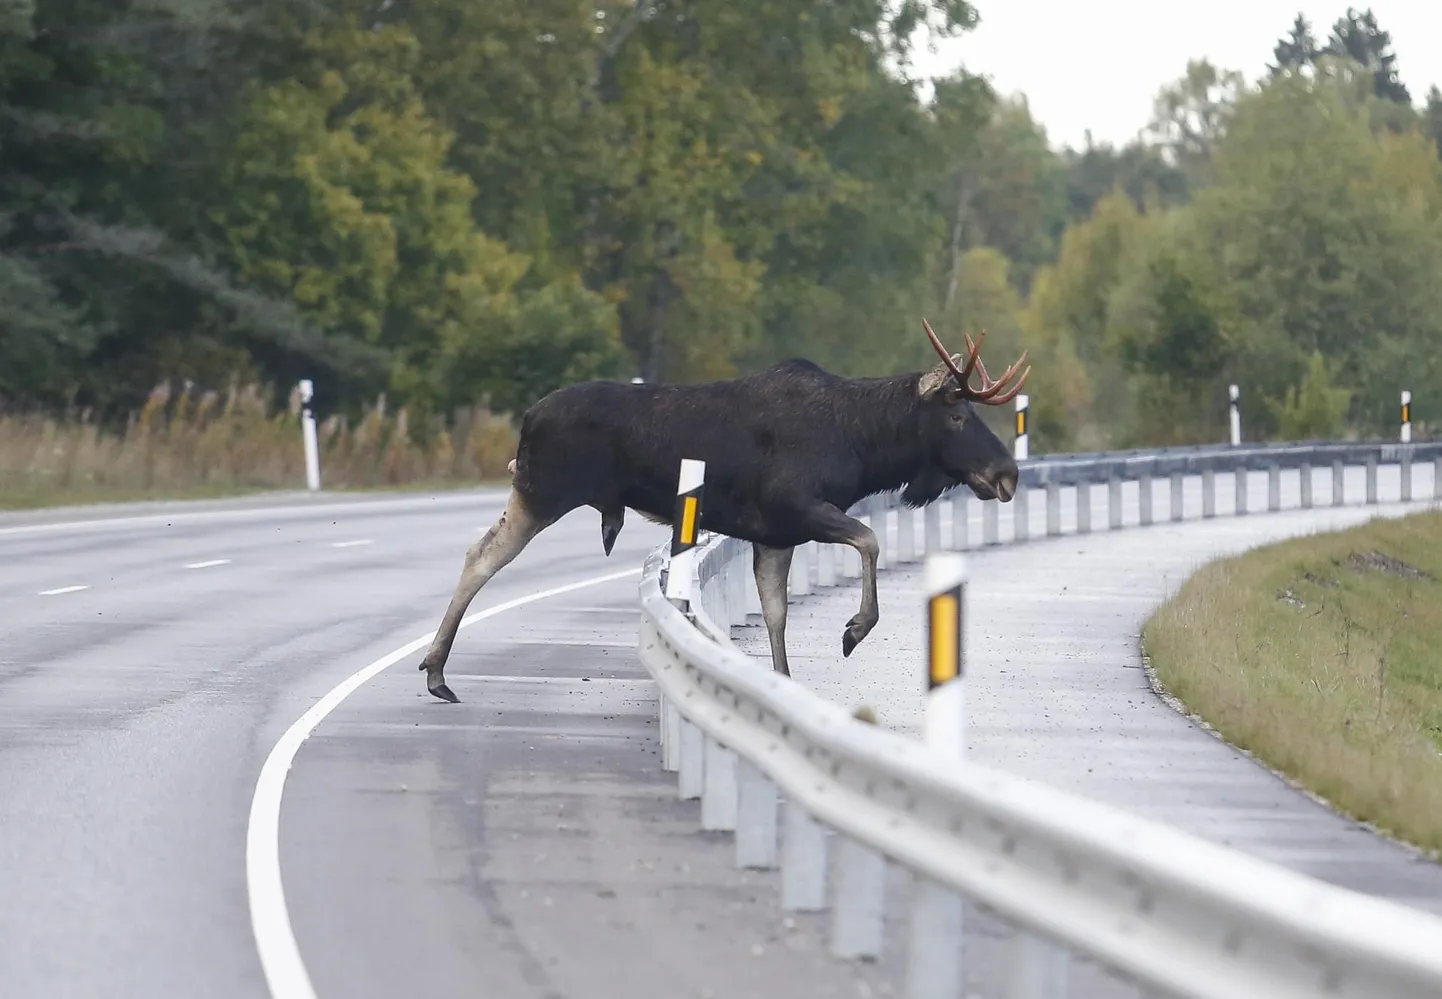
(780, 767)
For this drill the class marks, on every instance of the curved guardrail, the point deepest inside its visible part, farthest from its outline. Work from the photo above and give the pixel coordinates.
(782, 767)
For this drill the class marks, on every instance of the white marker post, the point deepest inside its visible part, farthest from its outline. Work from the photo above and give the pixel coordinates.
(685, 527)
(1235, 394)
(307, 431)
(934, 968)
(1021, 451)
(1406, 417)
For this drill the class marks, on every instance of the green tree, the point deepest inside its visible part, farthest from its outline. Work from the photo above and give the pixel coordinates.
(1316, 409)
(1321, 236)
(1297, 52)
(1189, 116)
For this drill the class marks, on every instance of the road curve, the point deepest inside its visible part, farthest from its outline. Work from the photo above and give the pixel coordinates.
(1056, 691)
(523, 843)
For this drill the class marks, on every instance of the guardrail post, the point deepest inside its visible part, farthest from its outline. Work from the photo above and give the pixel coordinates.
(1240, 477)
(1053, 508)
(1114, 503)
(1021, 516)
(1339, 483)
(1177, 495)
(934, 958)
(931, 528)
(857, 909)
(718, 788)
(1036, 968)
(1437, 477)
(671, 722)
(756, 806)
(1372, 478)
(736, 584)
(1305, 474)
(1404, 469)
(1083, 507)
(961, 518)
(825, 566)
(799, 579)
(1274, 487)
(693, 762)
(1209, 493)
(663, 732)
(1144, 487)
(905, 534)
(989, 516)
(803, 861)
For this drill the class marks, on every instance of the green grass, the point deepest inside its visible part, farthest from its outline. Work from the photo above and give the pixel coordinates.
(194, 446)
(1323, 657)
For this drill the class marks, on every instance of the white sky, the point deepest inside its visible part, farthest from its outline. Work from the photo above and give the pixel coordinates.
(1098, 64)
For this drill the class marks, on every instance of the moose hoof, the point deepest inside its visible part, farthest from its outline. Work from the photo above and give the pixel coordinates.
(444, 693)
(856, 630)
(436, 684)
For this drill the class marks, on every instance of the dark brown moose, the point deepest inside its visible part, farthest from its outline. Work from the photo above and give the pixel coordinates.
(788, 450)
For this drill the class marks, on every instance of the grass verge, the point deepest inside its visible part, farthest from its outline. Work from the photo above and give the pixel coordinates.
(1322, 656)
(206, 445)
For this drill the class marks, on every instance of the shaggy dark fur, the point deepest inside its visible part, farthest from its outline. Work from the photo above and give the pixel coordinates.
(778, 445)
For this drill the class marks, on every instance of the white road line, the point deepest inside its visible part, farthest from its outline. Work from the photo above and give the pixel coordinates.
(207, 565)
(351, 544)
(63, 589)
(285, 972)
(364, 507)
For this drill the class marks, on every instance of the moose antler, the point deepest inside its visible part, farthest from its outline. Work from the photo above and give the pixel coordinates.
(987, 394)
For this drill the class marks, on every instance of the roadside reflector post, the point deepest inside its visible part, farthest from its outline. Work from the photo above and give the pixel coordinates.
(1022, 449)
(1236, 413)
(934, 959)
(308, 435)
(686, 526)
(1406, 417)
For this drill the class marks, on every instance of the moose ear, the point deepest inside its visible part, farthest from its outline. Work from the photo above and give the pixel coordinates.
(934, 379)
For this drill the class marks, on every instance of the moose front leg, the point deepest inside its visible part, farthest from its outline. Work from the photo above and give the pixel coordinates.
(832, 526)
(773, 568)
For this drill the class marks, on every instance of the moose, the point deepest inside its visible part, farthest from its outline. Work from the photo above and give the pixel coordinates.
(788, 450)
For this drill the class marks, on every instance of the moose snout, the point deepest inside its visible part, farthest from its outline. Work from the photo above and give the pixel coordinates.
(1002, 478)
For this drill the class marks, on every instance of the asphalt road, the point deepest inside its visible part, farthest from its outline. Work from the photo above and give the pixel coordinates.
(523, 843)
(1056, 692)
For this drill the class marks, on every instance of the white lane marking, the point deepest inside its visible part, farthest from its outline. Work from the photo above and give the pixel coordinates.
(448, 502)
(63, 589)
(351, 544)
(207, 565)
(285, 972)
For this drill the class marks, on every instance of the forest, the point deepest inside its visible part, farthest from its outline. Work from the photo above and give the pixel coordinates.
(437, 207)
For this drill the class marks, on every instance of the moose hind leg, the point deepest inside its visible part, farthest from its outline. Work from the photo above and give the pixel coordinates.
(832, 526)
(773, 567)
(503, 542)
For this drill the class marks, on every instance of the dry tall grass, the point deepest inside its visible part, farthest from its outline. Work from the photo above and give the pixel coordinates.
(185, 444)
(1319, 655)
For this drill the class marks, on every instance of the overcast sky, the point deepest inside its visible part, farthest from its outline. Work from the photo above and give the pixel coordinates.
(1098, 64)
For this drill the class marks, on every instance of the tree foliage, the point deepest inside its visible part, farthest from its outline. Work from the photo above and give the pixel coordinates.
(456, 204)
